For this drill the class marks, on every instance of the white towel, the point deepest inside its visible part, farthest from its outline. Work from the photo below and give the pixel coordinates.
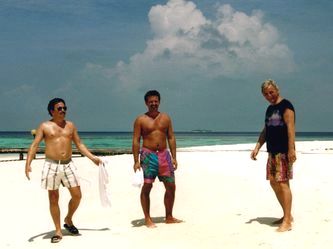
(137, 179)
(103, 184)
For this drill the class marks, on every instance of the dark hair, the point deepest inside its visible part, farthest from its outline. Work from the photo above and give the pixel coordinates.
(52, 103)
(152, 93)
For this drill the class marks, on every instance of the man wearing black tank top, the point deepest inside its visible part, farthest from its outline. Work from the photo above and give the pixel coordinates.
(279, 135)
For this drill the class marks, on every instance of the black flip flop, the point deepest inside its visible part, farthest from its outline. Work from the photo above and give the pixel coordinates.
(71, 229)
(56, 239)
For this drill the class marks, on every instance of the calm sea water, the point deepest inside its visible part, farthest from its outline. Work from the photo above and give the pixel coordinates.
(123, 140)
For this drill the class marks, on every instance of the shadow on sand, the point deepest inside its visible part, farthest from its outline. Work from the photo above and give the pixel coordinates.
(269, 221)
(48, 235)
(141, 222)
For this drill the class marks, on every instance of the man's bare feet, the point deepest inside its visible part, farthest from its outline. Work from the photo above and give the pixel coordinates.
(171, 220)
(284, 227)
(279, 221)
(149, 223)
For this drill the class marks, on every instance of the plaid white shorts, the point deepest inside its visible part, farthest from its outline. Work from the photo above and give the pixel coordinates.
(56, 172)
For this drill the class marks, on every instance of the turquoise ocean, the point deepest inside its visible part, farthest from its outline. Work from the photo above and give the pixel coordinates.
(123, 140)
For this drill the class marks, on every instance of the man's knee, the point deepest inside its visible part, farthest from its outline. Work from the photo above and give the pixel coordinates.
(77, 196)
(146, 188)
(170, 187)
(284, 186)
(53, 196)
(76, 193)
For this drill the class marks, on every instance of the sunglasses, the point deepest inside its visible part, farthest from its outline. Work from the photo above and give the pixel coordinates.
(62, 108)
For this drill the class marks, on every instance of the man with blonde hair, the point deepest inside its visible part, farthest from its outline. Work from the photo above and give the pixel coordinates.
(279, 135)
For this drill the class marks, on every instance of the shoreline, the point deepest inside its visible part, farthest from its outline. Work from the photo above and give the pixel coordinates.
(123, 140)
(304, 147)
(319, 147)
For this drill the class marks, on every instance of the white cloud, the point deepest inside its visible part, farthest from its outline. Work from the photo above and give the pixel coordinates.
(186, 43)
(175, 17)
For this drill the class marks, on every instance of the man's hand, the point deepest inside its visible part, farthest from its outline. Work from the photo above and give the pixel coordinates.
(291, 156)
(27, 171)
(174, 163)
(97, 160)
(137, 166)
(254, 154)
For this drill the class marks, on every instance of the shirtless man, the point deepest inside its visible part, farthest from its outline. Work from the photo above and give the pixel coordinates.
(279, 135)
(156, 130)
(58, 135)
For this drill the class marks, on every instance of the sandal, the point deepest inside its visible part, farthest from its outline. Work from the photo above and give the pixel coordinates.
(56, 239)
(71, 229)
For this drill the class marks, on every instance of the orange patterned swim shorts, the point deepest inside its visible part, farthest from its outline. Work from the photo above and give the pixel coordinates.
(279, 167)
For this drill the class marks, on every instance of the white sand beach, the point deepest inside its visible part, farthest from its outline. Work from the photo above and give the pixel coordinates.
(221, 195)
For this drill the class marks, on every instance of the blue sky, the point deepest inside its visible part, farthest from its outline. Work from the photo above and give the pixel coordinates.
(207, 58)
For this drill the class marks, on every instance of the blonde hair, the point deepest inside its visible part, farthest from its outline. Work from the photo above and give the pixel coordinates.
(268, 83)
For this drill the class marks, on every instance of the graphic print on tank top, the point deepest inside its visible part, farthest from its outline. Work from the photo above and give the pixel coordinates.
(275, 119)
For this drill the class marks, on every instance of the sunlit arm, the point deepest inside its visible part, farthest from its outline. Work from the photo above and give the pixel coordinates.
(289, 119)
(136, 144)
(33, 150)
(259, 144)
(172, 144)
(83, 149)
